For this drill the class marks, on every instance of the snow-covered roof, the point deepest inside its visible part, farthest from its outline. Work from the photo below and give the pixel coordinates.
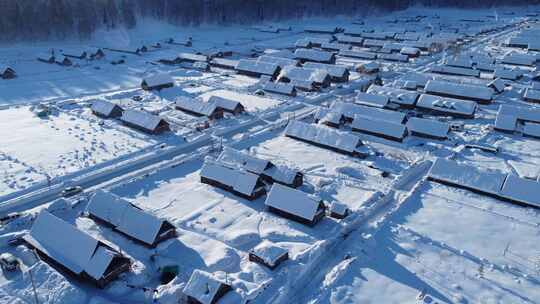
(447, 105)
(350, 110)
(304, 74)
(393, 57)
(244, 160)
(323, 135)
(498, 85)
(192, 57)
(521, 190)
(259, 67)
(279, 87)
(374, 43)
(224, 103)
(411, 51)
(268, 252)
(338, 208)
(367, 123)
(451, 70)
(532, 95)
(358, 54)
(331, 69)
(521, 113)
(510, 74)
(293, 201)
(281, 174)
(124, 216)
(62, 242)
(192, 105)
(158, 80)
(280, 61)
(428, 127)
(142, 119)
(457, 90)
(333, 46)
(519, 59)
(203, 286)
(224, 62)
(531, 129)
(103, 107)
(313, 55)
(241, 181)
(69, 246)
(349, 39)
(372, 100)
(505, 122)
(399, 96)
(460, 61)
(467, 176)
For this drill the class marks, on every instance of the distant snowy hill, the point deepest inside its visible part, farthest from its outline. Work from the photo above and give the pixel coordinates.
(59, 19)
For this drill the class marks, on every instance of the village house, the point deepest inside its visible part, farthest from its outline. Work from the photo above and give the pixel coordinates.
(106, 109)
(128, 219)
(145, 121)
(206, 288)
(234, 180)
(268, 254)
(7, 72)
(198, 108)
(295, 205)
(257, 68)
(324, 137)
(305, 55)
(67, 248)
(157, 82)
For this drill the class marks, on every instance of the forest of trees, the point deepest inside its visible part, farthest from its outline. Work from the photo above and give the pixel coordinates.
(59, 19)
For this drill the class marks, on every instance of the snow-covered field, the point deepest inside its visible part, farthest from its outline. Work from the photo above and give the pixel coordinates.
(406, 239)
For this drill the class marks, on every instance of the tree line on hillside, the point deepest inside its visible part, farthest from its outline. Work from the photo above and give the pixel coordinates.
(43, 19)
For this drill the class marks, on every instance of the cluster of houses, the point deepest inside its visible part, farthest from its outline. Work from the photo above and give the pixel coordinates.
(66, 57)
(140, 120)
(82, 255)
(502, 186)
(249, 177)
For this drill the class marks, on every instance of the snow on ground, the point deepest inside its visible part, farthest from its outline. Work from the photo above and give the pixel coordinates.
(56, 145)
(406, 241)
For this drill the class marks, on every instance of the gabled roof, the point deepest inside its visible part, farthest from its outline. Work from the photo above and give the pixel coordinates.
(192, 105)
(447, 105)
(293, 201)
(224, 103)
(521, 190)
(322, 135)
(350, 110)
(192, 57)
(428, 127)
(358, 54)
(244, 160)
(259, 67)
(203, 286)
(69, 246)
(367, 123)
(313, 55)
(399, 96)
(279, 87)
(158, 80)
(268, 252)
(371, 100)
(304, 74)
(457, 90)
(280, 61)
(62, 242)
(467, 176)
(331, 69)
(142, 119)
(241, 181)
(125, 217)
(103, 107)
